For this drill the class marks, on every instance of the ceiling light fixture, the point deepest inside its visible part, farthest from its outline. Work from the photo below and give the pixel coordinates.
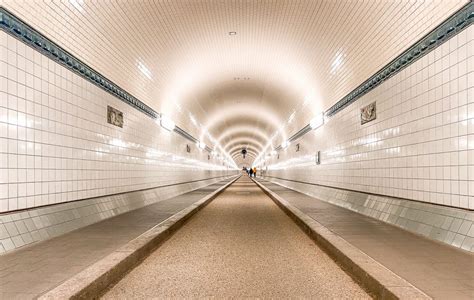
(232, 32)
(77, 4)
(144, 70)
(317, 121)
(292, 116)
(201, 145)
(167, 123)
(193, 120)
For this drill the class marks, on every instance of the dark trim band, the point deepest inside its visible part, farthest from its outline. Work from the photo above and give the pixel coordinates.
(19, 29)
(443, 32)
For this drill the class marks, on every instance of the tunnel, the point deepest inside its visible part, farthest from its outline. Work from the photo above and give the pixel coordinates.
(267, 149)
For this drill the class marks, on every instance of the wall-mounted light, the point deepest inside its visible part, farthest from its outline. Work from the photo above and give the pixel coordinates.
(167, 123)
(78, 4)
(317, 121)
(292, 116)
(193, 120)
(285, 144)
(201, 145)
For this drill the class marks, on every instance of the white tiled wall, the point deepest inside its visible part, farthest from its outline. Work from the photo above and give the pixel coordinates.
(56, 145)
(420, 147)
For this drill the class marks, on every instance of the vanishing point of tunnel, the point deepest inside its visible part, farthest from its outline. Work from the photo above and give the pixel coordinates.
(263, 149)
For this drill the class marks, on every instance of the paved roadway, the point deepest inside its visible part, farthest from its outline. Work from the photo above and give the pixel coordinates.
(241, 246)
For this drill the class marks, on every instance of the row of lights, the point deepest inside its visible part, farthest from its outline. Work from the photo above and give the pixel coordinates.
(169, 125)
(315, 123)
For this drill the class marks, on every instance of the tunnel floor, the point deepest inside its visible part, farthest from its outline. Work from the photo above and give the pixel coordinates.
(240, 245)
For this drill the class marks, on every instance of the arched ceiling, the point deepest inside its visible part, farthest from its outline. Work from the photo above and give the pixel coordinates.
(287, 61)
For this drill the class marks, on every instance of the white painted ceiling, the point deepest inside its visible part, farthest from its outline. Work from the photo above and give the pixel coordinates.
(286, 56)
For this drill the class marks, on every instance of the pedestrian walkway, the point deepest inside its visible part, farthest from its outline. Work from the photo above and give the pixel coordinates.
(239, 246)
(441, 271)
(35, 269)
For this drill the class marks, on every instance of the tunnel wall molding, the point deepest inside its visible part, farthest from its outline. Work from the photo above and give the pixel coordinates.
(452, 226)
(63, 150)
(442, 33)
(22, 228)
(420, 147)
(31, 37)
(19, 29)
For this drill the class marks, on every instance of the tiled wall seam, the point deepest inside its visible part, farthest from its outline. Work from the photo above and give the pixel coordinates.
(19, 229)
(448, 225)
(22, 31)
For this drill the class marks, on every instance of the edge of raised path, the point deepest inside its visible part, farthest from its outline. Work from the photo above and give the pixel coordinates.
(370, 274)
(95, 279)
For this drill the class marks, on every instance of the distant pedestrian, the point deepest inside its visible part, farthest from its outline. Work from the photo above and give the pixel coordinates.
(254, 171)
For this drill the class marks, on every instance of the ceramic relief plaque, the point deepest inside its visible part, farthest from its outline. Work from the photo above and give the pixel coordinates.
(368, 113)
(114, 117)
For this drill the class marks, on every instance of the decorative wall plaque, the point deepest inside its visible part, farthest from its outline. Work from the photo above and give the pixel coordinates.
(318, 158)
(368, 113)
(114, 116)
(188, 148)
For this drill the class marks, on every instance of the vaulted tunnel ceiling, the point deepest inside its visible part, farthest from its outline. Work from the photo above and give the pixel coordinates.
(286, 62)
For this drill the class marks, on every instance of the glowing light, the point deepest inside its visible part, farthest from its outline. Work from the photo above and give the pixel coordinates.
(336, 64)
(201, 145)
(77, 4)
(167, 123)
(193, 120)
(144, 69)
(285, 144)
(118, 143)
(292, 116)
(317, 121)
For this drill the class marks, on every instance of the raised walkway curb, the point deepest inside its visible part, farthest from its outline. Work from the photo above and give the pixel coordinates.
(94, 280)
(374, 277)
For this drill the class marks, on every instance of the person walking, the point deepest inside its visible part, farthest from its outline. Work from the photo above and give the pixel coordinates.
(254, 171)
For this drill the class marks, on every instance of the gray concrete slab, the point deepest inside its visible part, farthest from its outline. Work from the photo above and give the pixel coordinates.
(37, 268)
(441, 271)
(240, 246)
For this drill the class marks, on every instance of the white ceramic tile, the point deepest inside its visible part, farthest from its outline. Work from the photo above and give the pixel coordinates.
(417, 148)
(57, 145)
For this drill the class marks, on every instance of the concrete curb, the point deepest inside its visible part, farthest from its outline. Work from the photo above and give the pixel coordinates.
(374, 277)
(91, 282)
